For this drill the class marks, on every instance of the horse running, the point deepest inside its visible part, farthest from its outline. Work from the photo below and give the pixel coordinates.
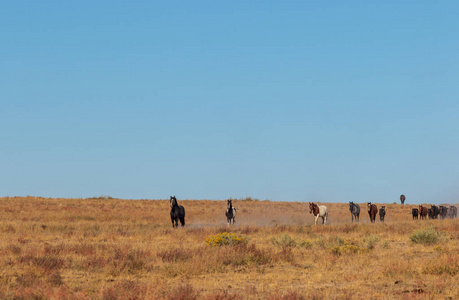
(372, 211)
(230, 213)
(355, 211)
(177, 213)
(319, 211)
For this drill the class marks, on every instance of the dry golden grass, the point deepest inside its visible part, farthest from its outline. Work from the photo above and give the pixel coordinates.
(126, 249)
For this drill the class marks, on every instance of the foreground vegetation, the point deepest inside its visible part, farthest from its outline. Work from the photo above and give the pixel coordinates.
(126, 249)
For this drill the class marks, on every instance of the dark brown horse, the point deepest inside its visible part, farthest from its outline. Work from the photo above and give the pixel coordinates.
(402, 199)
(423, 212)
(372, 211)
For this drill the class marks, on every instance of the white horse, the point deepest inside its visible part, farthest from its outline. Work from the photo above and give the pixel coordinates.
(319, 211)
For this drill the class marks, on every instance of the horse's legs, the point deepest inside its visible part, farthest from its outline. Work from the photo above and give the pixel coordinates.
(315, 221)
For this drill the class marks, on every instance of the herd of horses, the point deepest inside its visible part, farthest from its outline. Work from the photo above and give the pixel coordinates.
(434, 212)
(320, 211)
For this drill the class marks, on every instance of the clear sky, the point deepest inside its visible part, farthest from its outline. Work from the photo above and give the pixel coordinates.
(326, 101)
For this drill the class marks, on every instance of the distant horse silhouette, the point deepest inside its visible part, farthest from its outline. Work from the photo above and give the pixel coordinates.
(177, 213)
(355, 211)
(372, 211)
(402, 199)
(415, 213)
(318, 211)
(382, 213)
(230, 213)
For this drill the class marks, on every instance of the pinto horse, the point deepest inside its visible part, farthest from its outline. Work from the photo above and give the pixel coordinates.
(177, 213)
(372, 211)
(355, 211)
(230, 213)
(319, 211)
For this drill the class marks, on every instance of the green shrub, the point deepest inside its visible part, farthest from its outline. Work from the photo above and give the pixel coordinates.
(305, 244)
(347, 249)
(428, 236)
(285, 241)
(371, 241)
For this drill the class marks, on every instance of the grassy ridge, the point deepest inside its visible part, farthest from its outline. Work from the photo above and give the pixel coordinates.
(120, 249)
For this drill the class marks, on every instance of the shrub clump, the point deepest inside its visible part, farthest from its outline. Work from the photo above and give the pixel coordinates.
(347, 249)
(286, 241)
(226, 239)
(428, 236)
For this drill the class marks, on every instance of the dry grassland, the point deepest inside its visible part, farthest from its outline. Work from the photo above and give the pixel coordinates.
(126, 249)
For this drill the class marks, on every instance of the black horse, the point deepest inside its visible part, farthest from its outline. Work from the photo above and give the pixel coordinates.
(355, 211)
(382, 213)
(230, 213)
(435, 211)
(415, 213)
(177, 213)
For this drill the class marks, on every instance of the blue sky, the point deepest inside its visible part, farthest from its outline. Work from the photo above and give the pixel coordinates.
(288, 101)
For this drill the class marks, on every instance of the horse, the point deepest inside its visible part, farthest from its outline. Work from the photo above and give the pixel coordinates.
(415, 213)
(318, 211)
(382, 213)
(423, 211)
(443, 212)
(355, 211)
(372, 211)
(452, 212)
(177, 213)
(435, 211)
(230, 213)
(402, 199)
